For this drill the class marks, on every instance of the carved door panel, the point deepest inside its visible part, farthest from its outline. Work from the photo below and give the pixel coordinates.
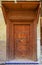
(22, 33)
(21, 43)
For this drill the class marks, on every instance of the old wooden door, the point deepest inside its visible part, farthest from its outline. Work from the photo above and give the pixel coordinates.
(23, 41)
(21, 29)
(22, 33)
(20, 38)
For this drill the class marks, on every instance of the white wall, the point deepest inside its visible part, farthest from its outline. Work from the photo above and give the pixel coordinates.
(38, 39)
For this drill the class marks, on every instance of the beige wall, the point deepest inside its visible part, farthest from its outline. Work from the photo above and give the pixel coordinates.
(2, 37)
(38, 39)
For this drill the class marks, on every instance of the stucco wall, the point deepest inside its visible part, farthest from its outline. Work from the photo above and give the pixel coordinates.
(38, 39)
(2, 37)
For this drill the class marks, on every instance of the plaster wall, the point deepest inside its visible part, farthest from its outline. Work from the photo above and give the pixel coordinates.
(2, 37)
(38, 39)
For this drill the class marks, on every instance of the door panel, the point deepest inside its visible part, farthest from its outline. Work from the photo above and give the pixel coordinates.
(22, 44)
(22, 40)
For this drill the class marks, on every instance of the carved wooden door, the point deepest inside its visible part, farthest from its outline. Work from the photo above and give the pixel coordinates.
(21, 40)
(23, 44)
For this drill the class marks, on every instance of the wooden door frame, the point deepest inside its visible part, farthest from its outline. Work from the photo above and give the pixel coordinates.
(33, 15)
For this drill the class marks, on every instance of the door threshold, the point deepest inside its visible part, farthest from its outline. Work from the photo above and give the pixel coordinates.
(22, 61)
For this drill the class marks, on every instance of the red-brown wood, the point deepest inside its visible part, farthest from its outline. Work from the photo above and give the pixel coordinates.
(21, 40)
(41, 35)
(21, 27)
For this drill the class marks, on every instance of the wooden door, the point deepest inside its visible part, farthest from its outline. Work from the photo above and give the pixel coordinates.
(22, 40)
(23, 44)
